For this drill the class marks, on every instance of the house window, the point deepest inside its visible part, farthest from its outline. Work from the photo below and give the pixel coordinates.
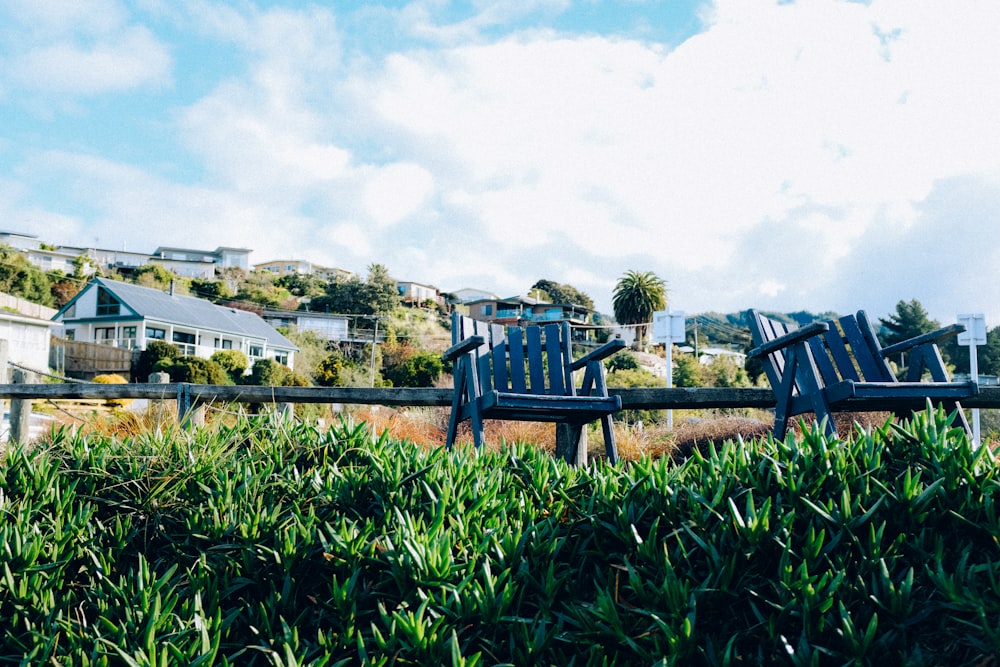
(70, 334)
(256, 351)
(227, 344)
(182, 337)
(156, 334)
(70, 311)
(105, 335)
(128, 340)
(281, 358)
(107, 304)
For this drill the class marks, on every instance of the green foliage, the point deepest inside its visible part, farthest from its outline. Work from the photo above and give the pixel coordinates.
(213, 290)
(195, 370)
(157, 277)
(312, 351)
(259, 288)
(725, 372)
(268, 373)
(157, 352)
(270, 542)
(233, 362)
(624, 360)
(561, 293)
(405, 365)
(21, 278)
(378, 295)
(421, 369)
(302, 285)
(909, 320)
(688, 371)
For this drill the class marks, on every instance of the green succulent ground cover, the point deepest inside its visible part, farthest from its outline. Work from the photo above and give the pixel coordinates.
(275, 544)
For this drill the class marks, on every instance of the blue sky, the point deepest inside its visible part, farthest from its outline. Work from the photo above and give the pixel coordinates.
(820, 155)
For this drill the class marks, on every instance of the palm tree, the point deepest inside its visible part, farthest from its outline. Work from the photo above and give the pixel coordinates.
(637, 295)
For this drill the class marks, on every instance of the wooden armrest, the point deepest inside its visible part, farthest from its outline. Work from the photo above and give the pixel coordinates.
(789, 338)
(922, 339)
(463, 347)
(600, 353)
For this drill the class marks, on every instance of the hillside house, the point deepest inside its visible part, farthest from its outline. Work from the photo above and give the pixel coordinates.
(331, 328)
(417, 294)
(284, 267)
(129, 316)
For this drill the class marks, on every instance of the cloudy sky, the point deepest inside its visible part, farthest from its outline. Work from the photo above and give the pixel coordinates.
(818, 155)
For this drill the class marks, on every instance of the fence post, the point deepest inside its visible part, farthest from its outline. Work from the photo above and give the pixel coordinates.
(4, 347)
(189, 414)
(574, 453)
(158, 378)
(20, 409)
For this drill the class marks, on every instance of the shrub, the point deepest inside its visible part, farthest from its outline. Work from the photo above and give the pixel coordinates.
(196, 371)
(156, 351)
(268, 373)
(234, 362)
(113, 378)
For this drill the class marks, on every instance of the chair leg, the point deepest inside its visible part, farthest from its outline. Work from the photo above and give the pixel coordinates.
(610, 447)
(478, 431)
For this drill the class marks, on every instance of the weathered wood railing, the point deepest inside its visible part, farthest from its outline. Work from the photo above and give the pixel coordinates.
(190, 396)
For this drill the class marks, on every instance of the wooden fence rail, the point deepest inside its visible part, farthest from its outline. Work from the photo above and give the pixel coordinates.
(676, 398)
(190, 396)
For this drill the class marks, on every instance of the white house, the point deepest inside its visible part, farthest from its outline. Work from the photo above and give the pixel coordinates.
(27, 328)
(328, 327)
(129, 316)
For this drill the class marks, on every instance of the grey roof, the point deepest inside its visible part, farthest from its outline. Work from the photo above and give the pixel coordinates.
(191, 311)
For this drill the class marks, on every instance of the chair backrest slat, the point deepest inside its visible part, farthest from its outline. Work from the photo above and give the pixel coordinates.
(536, 365)
(523, 360)
(872, 368)
(554, 354)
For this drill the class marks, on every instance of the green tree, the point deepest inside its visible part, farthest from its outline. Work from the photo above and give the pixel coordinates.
(724, 372)
(987, 356)
(378, 295)
(157, 277)
(561, 293)
(688, 371)
(259, 288)
(623, 361)
(213, 290)
(909, 320)
(21, 278)
(302, 286)
(637, 295)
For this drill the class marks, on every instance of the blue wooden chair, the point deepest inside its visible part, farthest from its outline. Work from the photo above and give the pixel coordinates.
(840, 365)
(526, 374)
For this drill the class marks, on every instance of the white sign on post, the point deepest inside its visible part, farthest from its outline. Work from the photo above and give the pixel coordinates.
(974, 335)
(668, 328)
(975, 329)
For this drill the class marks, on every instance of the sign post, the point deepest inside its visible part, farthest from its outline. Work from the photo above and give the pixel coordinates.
(668, 328)
(974, 335)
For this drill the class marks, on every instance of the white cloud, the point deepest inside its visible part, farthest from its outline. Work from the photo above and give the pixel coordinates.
(133, 59)
(395, 191)
(785, 157)
(80, 48)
